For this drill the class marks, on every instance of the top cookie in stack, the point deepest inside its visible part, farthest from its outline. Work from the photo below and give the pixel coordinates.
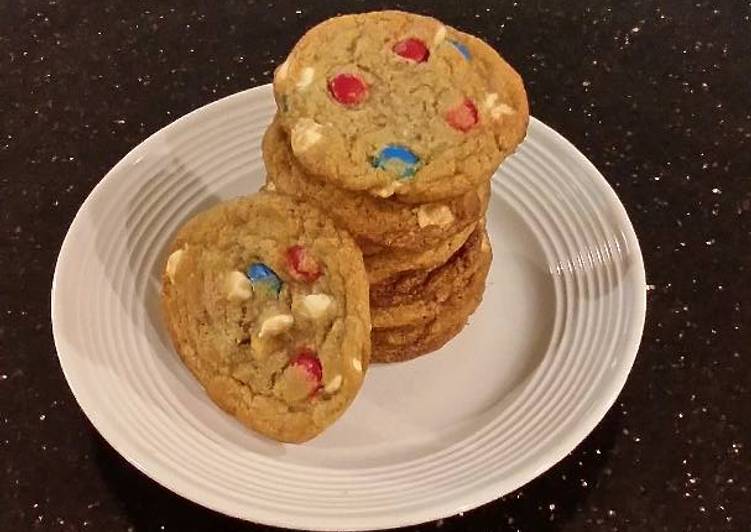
(399, 104)
(394, 124)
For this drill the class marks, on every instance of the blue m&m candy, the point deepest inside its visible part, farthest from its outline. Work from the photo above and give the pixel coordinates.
(462, 48)
(263, 278)
(397, 159)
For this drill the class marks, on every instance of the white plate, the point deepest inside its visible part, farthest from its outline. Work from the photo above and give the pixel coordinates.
(538, 366)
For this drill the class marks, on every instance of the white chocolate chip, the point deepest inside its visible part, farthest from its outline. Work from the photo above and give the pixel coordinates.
(281, 72)
(439, 215)
(316, 305)
(357, 365)
(276, 325)
(306, 77)
(334, 384)
(305, 134)
(485, 244)
(238, 286)
(501, 109)
(388, 190)
(173, 262)
(440, 34)
(262, 348)
(490, 99)
(270, 186)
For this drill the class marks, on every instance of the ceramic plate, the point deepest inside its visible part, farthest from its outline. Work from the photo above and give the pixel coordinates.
(537, 367)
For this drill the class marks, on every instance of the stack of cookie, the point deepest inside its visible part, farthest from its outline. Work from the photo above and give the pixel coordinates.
(393, 124)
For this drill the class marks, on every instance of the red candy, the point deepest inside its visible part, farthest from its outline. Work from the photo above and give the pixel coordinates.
(301, 265)
(412, 49)
(463, 117)
(307, 361)
(348, 89)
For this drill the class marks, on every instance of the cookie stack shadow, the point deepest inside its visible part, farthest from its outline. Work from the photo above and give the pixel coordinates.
(426, 263)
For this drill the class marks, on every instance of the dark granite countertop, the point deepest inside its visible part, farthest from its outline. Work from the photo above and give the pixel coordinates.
(656, 94)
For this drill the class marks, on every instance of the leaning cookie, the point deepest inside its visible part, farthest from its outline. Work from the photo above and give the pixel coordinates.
(377, 225)
(399, 104)
(267, 304)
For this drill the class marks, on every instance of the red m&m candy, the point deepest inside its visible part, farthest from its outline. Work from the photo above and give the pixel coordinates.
(308, 368)
(302, 265)
(463, 116)
(412, 49)
(348, 89)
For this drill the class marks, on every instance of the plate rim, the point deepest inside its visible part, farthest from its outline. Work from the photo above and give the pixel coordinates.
(474, 498)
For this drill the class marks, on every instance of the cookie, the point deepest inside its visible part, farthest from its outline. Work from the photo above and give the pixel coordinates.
(396, 344)
(376, 224)
(383, 267)
(267, 304)
(405, 343)
(399, 104)
(421, 295)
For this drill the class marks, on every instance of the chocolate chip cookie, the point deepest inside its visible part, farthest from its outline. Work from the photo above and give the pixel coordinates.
(383, 267)
(394, 103)
(267, 304)
(421, 295)
(377, 225)
(428, 331)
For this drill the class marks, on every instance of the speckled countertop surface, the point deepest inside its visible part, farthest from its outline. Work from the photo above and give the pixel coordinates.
(655, 93)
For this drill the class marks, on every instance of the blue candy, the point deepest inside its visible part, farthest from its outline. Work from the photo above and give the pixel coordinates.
(262, 277)
(398, 159)
(462, 49)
